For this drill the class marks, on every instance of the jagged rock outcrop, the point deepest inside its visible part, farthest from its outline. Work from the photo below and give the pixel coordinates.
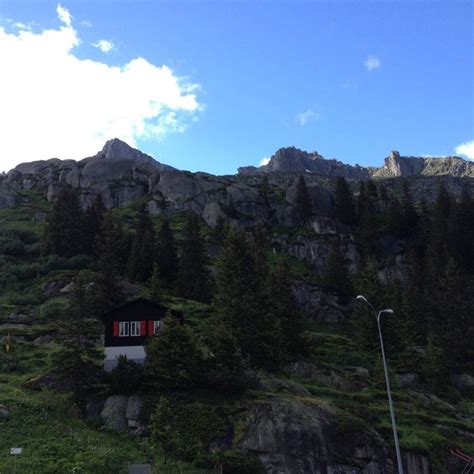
(396, 165)
(305, 437)
(292, 159)
(118, 412)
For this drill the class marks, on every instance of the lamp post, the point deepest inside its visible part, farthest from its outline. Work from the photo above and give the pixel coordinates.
(389, 393)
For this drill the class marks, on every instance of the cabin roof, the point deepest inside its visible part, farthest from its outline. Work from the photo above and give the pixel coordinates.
(141, 307)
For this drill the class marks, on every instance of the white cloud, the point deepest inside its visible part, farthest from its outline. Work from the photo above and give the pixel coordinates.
(264, 161)
(371, 63)
(304, 117)
(64, 15)
(466, 149)
(104, 45)
(54, 104)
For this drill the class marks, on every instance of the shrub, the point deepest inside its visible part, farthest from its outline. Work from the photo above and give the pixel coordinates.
(126, 378)
(54, 308)
(231, 462)
(184, 429)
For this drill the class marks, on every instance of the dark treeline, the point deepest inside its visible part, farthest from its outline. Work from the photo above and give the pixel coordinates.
(434, 298)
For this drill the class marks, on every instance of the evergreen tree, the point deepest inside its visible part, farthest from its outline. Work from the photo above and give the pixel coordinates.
(239, 301)
(77, 363)
(366, 209)
(395, 219)
(142, 256)
(284, 321)
(303, 204)
(367, 283)
(410, 216)
(166, 256)
(93, 222)
(193, 275)
(63, 233)
(434, 366)
(220, 230)
(344, 206)
(155, 285)
(462, 233)
(336, 276)
(451, 315)
(173, 361)
(109, 248)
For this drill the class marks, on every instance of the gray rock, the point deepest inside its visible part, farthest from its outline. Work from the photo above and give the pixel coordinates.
(41, 340)
(275, 385)
(114, 413)
(292, 159)
(408, 380)
(4, 413)
(396, 165)
(291, 436)
(463, 381)
(317, 303)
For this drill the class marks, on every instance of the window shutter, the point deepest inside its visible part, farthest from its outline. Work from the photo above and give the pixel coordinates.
(150, 328)
(116, 328)
(142, 328)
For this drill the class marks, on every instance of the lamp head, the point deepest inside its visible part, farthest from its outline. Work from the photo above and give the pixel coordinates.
(361, 298)
(388, 310)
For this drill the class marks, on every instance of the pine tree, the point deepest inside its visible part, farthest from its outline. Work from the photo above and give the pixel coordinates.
(166, 256)
(173, 361)
(284, 321)
(109, 248)
(93, 221)
(395, 217)
(367, 283)
(434, 366)
(303, 203)
(451, 315)
(410, 216)
(193, 275)
(155, 285)
(462, 232)
(336, 276)
(63, 233)
(239, 301)
(142, 256)
(77, 363)
(344, 206)
(366, 210)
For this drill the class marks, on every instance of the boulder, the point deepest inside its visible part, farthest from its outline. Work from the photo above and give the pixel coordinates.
(303, 437)
(4, 413)
(113, 413)
(408, 380)
(463, 381)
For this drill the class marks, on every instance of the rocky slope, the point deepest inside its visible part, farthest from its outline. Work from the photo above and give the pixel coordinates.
(294, 160)
(396, 165)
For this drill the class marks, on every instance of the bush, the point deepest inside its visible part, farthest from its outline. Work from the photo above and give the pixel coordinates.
(15, 248)
(55, 308)
(184, 429)
(126, 378)
(231, 462)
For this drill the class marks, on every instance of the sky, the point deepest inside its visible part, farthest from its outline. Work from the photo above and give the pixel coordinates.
(211, 86)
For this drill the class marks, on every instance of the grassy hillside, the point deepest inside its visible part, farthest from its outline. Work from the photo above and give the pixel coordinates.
(55, 438)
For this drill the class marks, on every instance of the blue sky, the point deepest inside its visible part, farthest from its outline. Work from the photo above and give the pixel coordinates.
(225, 84)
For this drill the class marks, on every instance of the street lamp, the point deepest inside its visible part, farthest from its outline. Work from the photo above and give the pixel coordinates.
(389, 393)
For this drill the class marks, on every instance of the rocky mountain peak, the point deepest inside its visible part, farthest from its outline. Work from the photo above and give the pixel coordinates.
(292, 159)
(116, 149)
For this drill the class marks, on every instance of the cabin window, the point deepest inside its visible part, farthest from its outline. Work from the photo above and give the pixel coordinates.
(135, 328)
(124, 328)
(156, 326)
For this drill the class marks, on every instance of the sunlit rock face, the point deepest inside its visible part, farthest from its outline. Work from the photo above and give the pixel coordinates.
(292, 159)
(396, 165)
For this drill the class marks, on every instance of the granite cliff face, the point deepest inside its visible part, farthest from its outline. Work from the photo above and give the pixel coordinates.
(294, 160)
(396, 165)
